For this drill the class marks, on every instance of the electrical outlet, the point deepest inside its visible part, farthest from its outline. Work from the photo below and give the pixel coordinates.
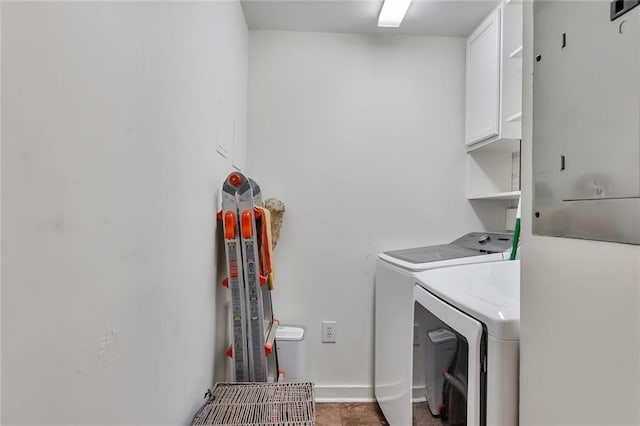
(329, 331)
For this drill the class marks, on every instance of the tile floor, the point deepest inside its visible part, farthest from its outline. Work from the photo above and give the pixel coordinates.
(366, 414)
(349, 414)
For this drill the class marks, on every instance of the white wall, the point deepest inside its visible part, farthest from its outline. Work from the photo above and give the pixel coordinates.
(362, 138)
(109, 184)
(580, 316)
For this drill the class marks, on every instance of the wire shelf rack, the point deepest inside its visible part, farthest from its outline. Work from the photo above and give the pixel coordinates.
(259, 404)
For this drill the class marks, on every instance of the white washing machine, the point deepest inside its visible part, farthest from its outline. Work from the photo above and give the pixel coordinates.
(397, 382)
(481, 304)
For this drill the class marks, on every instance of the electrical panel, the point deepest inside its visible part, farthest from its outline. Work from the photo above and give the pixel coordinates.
(586, 120)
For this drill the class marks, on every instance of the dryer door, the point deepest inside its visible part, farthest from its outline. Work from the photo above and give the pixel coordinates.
(473, 380)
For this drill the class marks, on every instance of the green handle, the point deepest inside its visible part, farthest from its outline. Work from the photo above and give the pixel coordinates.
(516, 237)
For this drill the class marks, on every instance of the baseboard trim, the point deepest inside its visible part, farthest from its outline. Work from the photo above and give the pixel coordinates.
(344, 393)
(357, 393)
(418, 394)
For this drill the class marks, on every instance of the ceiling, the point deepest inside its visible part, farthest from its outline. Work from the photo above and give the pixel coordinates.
(424, 17)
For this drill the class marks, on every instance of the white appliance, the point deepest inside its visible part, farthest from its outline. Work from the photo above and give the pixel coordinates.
(481, 303)
(397, 382)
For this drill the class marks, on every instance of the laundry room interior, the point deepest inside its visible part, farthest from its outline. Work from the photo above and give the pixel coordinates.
(397, 188)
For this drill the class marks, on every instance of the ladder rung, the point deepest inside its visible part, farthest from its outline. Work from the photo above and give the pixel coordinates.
(269, 326)
(271, 337)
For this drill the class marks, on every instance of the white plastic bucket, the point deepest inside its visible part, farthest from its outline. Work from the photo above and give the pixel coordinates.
(290, 346)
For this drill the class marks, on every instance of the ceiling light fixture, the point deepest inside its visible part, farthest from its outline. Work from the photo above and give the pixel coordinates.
(393, 12)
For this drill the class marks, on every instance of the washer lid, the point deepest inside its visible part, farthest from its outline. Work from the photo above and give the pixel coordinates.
(432, 253)
(469, 245)
(411, 267)
(489, 292)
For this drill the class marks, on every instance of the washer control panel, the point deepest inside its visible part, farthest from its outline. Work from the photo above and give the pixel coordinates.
(488, 242)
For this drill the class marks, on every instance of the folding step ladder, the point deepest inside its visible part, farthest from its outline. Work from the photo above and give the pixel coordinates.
(253, 326)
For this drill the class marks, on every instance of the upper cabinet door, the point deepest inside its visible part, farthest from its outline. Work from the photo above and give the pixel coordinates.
(482, 118)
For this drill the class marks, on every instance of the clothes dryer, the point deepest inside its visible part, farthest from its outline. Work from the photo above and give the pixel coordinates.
(481, 304)
(397, 383)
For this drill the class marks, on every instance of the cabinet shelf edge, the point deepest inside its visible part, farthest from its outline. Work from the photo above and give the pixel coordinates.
(510, 195)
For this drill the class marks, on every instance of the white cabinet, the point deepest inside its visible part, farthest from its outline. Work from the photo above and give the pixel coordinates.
(494, 104)
(494, 77)
(482, 117)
